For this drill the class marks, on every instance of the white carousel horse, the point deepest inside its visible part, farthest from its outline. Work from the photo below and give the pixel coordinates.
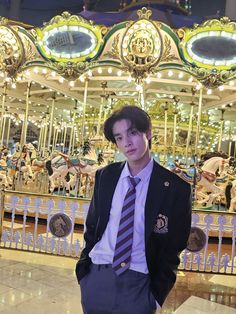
(20, 162)
(206, 179)
(5, 179)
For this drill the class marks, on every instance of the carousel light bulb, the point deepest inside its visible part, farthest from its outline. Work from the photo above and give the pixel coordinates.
(198, 86)
(36, 70)
(209, 91)
(129, 79)
(159, 75)
(138, 87)
(190, 79)
(72, 83)
(13, 85)
(44, 71)
(119, 73)
(90, 73)
(148, 80)
(110, 70)
(99, 70)
(170, 73)
(181, 75)
(82, 79)
(53, 73)
(61, 79)
(221, 88)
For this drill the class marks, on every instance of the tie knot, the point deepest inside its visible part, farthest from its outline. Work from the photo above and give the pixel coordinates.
(134, 181)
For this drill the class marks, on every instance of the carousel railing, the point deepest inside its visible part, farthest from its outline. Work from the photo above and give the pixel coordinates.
(25, 222)
(218, 254)
(25, 219)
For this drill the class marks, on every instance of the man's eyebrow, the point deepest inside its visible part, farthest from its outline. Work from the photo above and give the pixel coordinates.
(116, 134)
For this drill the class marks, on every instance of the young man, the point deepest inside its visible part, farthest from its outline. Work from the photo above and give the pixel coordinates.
(137, 225)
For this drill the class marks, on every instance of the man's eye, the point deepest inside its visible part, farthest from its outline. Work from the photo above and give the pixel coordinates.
(118, 139)
(134, 132)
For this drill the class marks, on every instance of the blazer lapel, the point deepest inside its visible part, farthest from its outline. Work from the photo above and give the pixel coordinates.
(155, 195)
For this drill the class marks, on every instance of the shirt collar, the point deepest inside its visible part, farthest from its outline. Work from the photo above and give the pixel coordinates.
(144, 174)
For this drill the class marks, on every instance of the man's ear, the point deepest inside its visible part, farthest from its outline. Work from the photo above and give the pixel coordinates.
(149, 134)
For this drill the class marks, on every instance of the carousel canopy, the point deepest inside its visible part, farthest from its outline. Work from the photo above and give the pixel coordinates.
(87, 68)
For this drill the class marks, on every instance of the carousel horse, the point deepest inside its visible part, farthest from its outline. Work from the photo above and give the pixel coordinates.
(20, 162)
(205, 178)
(231, 196)
(5, 179)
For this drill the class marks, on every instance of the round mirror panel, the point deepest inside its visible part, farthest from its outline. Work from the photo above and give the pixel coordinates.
(213, 48)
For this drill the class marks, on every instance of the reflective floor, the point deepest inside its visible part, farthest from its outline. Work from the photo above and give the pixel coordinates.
(38, 284)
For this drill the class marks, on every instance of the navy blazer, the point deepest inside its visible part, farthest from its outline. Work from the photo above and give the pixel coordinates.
(167, 223)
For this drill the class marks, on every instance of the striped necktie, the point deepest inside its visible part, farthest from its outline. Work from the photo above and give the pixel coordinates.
(124, 241)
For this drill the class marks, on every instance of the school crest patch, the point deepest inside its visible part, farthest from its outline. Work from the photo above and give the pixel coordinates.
(161, 225)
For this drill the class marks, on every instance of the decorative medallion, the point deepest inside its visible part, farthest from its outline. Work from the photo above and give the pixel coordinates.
(196, 240)
(141, 45)
(60, 225)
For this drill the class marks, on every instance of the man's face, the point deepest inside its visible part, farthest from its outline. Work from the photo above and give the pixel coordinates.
(131, 142)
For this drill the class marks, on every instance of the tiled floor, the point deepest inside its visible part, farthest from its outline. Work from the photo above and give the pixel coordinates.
(38, 284)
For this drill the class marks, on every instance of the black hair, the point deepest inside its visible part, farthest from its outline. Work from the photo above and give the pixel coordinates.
(138, 118)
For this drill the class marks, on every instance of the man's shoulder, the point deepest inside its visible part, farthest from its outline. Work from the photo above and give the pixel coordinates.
(111, 167)
(171, 176)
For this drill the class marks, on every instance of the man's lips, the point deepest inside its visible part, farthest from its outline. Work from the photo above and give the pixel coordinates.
(131, 151)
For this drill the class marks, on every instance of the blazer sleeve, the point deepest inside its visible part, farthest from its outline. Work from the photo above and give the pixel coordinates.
(92, 220)
(168, 247)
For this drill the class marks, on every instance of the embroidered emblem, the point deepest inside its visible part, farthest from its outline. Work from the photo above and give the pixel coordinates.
(166, 183)
(161, 225)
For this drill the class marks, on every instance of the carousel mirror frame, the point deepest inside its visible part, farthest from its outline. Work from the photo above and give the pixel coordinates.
(223, 28)
(70, 24)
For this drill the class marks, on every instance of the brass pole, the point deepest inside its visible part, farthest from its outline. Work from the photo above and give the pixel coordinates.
(45, 135)
(174, 131)
(3, 108)
(51, 120)
(8, 131)
(3, 128)
(56, 138)
(64, 139)
(165, 126)
(198, 120)
(230, 142)
(221, 129)
(100, 115)
(72, 133)
(25, 124)
(40, 137)
(84, 110)
(189, 129)
(104, 86)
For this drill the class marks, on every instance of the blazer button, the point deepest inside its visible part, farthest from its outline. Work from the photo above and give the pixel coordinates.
(123, 264)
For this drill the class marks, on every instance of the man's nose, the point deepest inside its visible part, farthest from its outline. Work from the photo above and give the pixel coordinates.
(127, 142)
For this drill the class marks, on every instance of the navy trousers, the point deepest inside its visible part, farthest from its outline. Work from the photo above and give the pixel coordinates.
(103, 292)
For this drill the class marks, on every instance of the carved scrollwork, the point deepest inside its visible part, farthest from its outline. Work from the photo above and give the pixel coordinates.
(71, 70)
(11, 50)
(115, 52)
(211, 78)
(167, 56)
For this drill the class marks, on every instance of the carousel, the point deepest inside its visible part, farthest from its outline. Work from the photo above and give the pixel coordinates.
(58, 84)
